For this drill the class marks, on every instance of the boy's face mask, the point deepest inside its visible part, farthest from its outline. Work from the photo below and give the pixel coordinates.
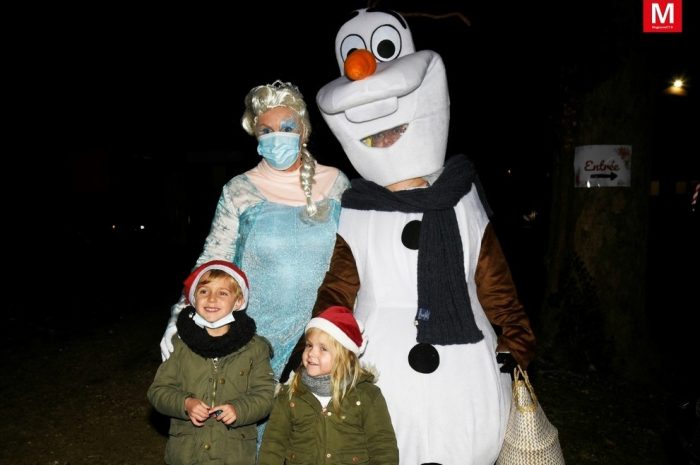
(202, 323)
(280, 149)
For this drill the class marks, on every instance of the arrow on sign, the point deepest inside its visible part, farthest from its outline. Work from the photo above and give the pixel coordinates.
(612, 176)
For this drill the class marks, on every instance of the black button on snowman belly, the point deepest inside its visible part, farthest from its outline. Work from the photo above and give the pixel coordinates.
(423, 358)
(410, 235)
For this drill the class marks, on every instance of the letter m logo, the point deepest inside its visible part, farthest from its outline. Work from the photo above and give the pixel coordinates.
(663, 15)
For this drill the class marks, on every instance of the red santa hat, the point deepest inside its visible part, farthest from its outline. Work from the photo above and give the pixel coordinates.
(227, 267)
(339, 322)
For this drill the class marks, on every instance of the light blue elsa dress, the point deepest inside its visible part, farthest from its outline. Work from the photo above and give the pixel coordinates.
(284, 254)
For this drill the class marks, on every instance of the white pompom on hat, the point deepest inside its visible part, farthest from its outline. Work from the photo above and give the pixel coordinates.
(340, 323)
(227, 267)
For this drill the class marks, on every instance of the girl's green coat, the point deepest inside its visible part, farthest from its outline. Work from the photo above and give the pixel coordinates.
(301, 431)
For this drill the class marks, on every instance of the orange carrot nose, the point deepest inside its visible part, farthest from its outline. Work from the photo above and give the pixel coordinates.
(360, 64)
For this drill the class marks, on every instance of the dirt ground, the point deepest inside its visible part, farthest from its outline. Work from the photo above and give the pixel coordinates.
(79, 398)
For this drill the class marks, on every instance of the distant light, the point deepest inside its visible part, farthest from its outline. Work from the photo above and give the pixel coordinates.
(678, 87)
(681, 187)
(508, 171)
(142, 227)
(654, 188)
(530, 217)
(114, 226)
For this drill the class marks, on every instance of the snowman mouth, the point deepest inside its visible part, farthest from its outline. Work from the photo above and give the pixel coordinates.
(385, 138)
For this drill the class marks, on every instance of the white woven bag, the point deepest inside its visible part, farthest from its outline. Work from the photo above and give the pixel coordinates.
(530, 438)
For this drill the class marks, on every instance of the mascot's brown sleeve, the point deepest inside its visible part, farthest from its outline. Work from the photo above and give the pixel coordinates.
(342, 281)
(499, 299)
(339, 287)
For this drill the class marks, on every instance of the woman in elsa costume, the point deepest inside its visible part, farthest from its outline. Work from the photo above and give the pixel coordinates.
(277, 221)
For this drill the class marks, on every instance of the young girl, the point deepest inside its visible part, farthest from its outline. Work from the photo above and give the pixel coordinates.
(218, 382)
(330, 411)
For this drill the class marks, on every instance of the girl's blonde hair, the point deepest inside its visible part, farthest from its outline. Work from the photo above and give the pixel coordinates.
(285, 94)
(345, 372)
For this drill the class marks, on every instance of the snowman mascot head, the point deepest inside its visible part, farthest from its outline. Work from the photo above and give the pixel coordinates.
(391, 119)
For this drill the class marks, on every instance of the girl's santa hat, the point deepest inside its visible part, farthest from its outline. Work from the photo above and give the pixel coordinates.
(340, 323)
(227, 267)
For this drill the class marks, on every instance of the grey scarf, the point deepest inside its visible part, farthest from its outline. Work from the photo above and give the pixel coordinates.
(319, 385)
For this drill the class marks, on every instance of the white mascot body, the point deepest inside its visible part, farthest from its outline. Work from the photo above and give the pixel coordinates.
(449, 402)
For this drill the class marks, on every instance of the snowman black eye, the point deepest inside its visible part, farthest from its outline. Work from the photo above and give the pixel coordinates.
(386, 43)
(350, 44)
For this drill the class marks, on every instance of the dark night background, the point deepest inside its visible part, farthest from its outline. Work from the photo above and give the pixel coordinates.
(133, 127)
(137, 112)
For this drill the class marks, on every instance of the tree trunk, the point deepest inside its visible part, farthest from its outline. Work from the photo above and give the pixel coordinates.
(593, 314)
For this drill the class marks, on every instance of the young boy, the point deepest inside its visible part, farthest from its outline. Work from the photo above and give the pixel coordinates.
(218, 382)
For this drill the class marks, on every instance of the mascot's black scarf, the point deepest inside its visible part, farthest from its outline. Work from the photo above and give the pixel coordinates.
(444, 313)
(198, 339)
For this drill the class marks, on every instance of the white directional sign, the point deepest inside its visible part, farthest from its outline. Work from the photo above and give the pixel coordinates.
(602, 165)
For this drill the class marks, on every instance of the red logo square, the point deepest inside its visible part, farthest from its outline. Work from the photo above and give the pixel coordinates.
(663, 16)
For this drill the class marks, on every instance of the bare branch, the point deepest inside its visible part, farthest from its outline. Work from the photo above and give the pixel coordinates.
(459, 15)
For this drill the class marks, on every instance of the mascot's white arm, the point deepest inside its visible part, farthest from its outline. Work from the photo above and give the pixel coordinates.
(219, 245)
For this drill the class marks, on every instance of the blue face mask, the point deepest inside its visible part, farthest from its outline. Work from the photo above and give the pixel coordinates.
(280, 149)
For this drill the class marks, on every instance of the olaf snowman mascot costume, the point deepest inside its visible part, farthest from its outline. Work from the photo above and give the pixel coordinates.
(415, 254)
